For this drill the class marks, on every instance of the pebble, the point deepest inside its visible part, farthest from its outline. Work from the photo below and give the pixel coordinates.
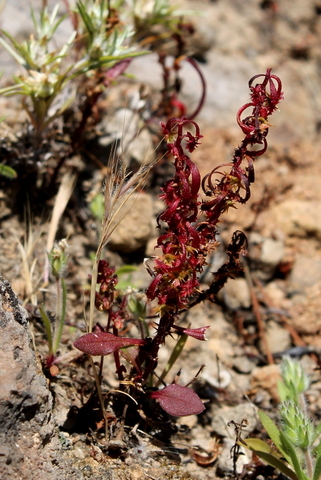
(243, 365)
(298, 218)
(222, 416)
(278, 337)
(236, 294)
(306, 311)
(265, 254)
(266, 378)
(306, 272)
(136, 224)
(225, 461)
(125, 125)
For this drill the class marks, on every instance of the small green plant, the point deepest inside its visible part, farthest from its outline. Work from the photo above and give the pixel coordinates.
(103, 46)
(58, 260)
(297, 451)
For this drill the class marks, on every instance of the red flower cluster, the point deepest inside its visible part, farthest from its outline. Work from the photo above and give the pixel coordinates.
(107, 280)
(187, 241)
(176, 271)
(191, 227)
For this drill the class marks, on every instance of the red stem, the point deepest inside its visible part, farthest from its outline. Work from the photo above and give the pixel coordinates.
(202, 99)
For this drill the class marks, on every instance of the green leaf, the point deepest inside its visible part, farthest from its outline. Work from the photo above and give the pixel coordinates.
(317, 469)
(256, 444)
(266, 453)
(283, 391)
(174, 356)
(47, 324)
(291, 453)
(86, 19)
(273, 432)
(60, 316)
(126, 269)
(7, 171)
(12, 52)
(276, 463)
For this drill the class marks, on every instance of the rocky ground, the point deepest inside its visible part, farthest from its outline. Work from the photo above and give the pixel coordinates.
(273, 307)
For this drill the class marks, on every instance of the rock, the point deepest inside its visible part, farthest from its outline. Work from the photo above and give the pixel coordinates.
(236, 294)
(225, 466)
(222, 416)
(124, 125)
(151, 249)
(306, 311)
(29, 443)
(136, 224)
(221, 347)
(266, 378)
(276, 290)
(265, 254)
(243, 365)
(278, 337)
(306, 272)
(299, 218)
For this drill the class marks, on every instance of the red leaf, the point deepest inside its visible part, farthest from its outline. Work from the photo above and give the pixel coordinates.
(179, 401)
(102, 343)
(198, 333)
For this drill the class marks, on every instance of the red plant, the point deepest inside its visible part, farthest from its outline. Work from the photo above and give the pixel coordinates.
(191, 229)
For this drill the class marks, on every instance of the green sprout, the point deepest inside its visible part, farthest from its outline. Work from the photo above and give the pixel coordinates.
(44, 78)
(297, 452)
(58, 260)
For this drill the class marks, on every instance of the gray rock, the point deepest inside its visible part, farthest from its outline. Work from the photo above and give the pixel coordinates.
(299, 218)
(306, 312)
(278, 337)
(236, 294)
(29, 443)
(125, 125)
(243, 365)
(266, 254)
(225, 465)
(222, 416)
(306, 272)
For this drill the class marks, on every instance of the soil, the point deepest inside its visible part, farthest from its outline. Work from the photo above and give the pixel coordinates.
(49, 419)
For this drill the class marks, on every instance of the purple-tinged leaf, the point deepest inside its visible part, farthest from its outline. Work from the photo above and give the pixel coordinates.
(198, 333)
(103, 343)
(178, 401)
(130, 354)
(116, 70)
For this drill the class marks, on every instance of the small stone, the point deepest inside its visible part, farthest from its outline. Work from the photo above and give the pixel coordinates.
(306, 272)
(270, 251)
(236, 294)
(135, 224)
(151, 248)
(265, 254)
(276, 291)
(222, 348)
(136, 143)
(306, 311)
(225, 465)
(223, 415)
(299, 218)
(278, 338)
(266, 378)
(243, 365)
